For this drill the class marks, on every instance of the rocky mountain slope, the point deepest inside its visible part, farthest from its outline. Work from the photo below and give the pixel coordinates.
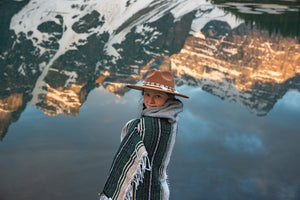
(58, 51)
(243, 65)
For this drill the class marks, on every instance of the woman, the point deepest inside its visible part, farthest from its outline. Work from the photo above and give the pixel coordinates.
(138, 171)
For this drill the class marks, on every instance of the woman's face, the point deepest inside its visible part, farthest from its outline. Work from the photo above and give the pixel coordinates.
(154, 98)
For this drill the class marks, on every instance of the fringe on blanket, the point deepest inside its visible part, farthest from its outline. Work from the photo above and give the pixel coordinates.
(138, 176)
(103, 197)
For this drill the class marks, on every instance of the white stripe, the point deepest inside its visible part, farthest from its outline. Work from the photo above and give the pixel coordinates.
(165, 163)
(158, 140)
(112, 166)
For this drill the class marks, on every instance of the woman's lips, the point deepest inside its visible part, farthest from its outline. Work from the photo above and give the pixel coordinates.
(149, 106)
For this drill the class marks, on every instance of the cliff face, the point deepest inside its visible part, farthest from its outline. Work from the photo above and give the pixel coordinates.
(69, 49)
(66, 101)
(243, 65)
(9, 111)
(55, 53)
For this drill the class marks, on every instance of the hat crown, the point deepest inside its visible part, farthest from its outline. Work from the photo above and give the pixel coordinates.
(162, 81)
(164, 78)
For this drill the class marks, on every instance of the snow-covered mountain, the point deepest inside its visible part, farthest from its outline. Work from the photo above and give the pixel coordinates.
(58, 51)
(243, 65)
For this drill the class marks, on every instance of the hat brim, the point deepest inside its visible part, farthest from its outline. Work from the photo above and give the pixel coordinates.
(141, 87)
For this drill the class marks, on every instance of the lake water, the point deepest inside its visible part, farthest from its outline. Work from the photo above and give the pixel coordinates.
(63, 100)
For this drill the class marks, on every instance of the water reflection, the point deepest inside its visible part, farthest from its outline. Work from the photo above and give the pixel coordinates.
(235, 155)
(241, 57)
(240, 64)
(267, 14)
(243, 65)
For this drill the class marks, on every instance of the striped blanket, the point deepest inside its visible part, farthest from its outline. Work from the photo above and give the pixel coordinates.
(128, 167)
(138, 170)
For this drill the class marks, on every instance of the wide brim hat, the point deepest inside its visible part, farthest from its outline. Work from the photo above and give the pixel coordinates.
(158, 80)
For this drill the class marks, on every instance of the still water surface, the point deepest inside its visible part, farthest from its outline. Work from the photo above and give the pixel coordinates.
(61, 114)
(222, 151)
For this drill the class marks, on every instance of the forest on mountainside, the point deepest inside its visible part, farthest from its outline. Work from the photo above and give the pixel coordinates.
(280, 17)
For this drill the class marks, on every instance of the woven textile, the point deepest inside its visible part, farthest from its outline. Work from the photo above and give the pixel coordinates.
(128, 167)
(138, 171)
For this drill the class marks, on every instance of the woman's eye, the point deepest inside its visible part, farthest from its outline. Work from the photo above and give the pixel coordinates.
(158, 96)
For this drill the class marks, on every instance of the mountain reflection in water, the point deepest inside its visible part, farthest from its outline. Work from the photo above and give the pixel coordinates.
(240, 68)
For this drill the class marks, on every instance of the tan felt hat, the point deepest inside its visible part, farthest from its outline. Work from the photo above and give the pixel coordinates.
(162, 81)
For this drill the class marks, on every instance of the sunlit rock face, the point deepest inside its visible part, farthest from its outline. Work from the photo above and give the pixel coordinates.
(8, 108)
(243, 65)
(116, 83)
(56, 52)
(67, 101)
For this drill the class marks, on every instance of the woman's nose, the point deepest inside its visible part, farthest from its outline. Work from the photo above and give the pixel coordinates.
(151, 100)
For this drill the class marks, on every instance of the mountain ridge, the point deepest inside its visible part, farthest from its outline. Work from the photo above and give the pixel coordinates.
(54, 62)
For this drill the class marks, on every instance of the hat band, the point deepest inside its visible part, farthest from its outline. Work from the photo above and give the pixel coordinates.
(160, 86)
